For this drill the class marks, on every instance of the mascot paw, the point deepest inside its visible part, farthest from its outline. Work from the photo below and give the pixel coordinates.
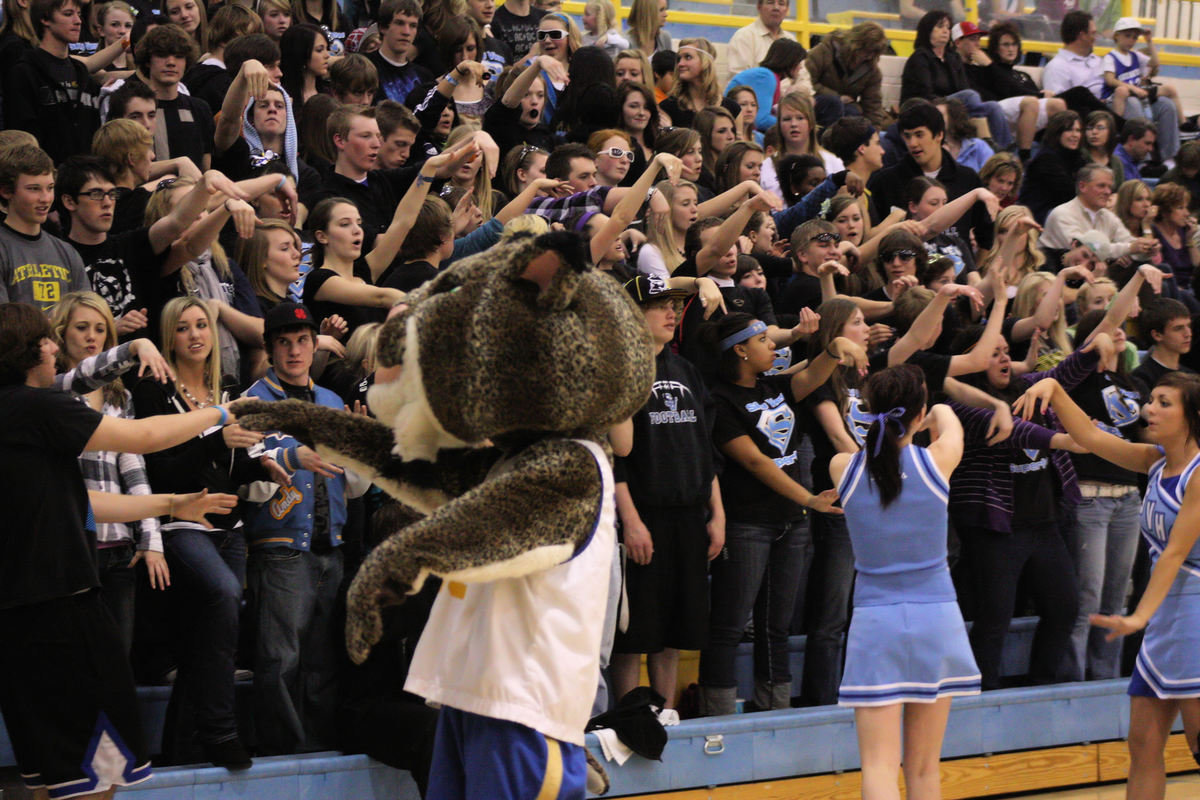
(364, 627)
(292, 417)
(597, 778)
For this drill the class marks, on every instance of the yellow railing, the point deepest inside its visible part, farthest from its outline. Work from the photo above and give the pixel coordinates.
(901, 40)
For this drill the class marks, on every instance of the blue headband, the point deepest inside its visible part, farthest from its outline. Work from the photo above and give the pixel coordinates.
(749, 332)
(896, 414)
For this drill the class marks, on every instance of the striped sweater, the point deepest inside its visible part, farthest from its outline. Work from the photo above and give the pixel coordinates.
(981, 488)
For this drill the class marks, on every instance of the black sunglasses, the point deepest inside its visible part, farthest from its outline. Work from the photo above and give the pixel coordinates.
(826, 237)
(165, 183)
(904, 255)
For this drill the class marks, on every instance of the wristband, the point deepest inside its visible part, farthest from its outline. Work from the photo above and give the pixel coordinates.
(224, 416)
(829, 352)
(225, 206)
(450, 79)
(423, 179)
(282, 181)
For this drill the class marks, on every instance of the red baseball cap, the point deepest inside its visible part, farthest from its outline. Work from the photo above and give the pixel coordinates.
(967, 28)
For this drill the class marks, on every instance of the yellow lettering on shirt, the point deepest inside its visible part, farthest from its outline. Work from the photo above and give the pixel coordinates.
(285, 501)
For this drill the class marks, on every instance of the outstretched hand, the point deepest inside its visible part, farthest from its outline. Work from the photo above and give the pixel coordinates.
(1116, 625)
(1036, 399)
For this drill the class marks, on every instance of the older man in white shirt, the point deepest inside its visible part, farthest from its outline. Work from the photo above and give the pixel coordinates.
(748, 46)
(1072, 221)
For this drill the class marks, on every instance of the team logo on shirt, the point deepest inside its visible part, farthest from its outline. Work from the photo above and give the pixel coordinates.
(287, 499)
(783, 360)
(1035, 464)
(1122, 405)
(669, 393)
(776, 421)
(1154, 522)
(858, 421)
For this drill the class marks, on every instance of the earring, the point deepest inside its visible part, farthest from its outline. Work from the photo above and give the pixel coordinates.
(745, 358)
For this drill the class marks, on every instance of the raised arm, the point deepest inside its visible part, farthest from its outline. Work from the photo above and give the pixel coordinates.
(946, 449)
(625, 210)
(727, 234)
(164, 232)
(151, 434)
(1047, 311)
(720, 205)
(993, 331)
(841, 352)
(388, 243)
(1049, 392)
(252, 81)
(923, 329)
(953, 211)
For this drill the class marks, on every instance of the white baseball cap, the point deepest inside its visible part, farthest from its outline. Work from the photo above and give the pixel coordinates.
(1129, 24)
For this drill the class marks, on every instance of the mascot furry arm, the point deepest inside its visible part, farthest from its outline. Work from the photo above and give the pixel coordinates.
(522, 346)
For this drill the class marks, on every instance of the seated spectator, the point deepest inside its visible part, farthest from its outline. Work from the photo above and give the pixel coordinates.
(1050, 176)
(276, 17)
(715, 126)
(797, 132)
(1175, 229)
(613, 155)
(399, 130)
(1075, 73)
(845, 66)
(522, 166)
(1165, 326)
(967, 148)
(1185, 172)
(115, 20)
(1100, 130)
(746, 128)
(783, 64)
(634, 66)
(398, 21)
(639, 114)
(35, 267)
(1088, 211)
(924, 129)
(304, 61)
(1128, 89)
(662, 70)
(994, 75)
(135, 101)
(47, 92)
(1136, 146)
(209, 79)
(1001, 175)
(353, 80)
(935, 70)
(493, 53)
(749, 45)
(647, 33)
(602, 28)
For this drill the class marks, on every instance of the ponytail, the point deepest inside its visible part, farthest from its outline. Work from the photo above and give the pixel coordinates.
(896, 396)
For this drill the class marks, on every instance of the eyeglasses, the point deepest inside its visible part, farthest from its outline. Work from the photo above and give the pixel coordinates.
(165, 183)
(98, 195)
(826, 238)
(616, 152)
(903, 255)
(554, 34)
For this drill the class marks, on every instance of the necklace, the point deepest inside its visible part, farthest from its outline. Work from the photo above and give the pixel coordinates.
(193, 399)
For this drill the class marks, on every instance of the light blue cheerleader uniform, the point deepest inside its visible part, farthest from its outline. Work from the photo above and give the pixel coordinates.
(1168, 665)
(907, 641)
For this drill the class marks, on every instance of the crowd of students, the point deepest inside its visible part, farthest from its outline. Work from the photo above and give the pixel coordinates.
(229, 200)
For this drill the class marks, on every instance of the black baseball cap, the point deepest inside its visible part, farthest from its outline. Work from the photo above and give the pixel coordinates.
(648, 288)
(285, 316)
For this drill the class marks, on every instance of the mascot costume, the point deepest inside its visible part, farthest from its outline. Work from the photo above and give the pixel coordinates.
(494, 391)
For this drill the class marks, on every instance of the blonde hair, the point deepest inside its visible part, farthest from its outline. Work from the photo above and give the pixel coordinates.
(201, 34)
(647, 70)
(115, 5)
(798, 102)
(574, 35)
(1088, 289)
(644, 25)
(279, 5)
(605, 14)
(252, 255)
(360, 347)
(660, 229)
(60, 318)
(708, 76)
(482, 191)
(525, 223)
(159, 205)
(171, 313)
(1031, 256)
(118, 140)
(1026, 304)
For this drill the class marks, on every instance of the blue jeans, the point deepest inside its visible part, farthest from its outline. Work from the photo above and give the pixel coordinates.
(117, 588)
(1106, 535)
(208, 569)
(978, 107)
(762, 567)
(830, 585)
(293, 597)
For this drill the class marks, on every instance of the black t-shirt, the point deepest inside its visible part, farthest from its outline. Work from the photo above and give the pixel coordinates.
(854, 417)
(123, 269)
(1150, 371)
(190, 127)
(1114, 401)
(354, 315)
(408, 275)
(1034, 487)
(519, 33)
(396, 81)
(671, 463)
(935, 366)
(765, 413)
(130, 212)
(802, 291)
(46, 551)
(737, 299)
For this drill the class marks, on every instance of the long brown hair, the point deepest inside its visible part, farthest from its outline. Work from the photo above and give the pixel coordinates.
(834, 314)
(252, 255)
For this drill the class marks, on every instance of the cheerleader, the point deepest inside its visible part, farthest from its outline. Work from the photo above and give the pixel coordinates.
(1166, 679)
(907, 651)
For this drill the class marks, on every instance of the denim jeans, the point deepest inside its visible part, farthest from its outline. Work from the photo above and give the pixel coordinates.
(830, 585)
(117, 586)
(293, 597)
(762, 567)
(978, 107)
(996, 562)
(1106, 536)
(208, 569)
